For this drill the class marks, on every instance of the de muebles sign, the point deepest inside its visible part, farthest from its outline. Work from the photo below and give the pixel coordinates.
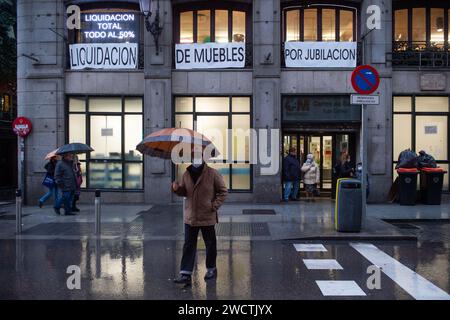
(320, 54)
(210, 55)
(106, 41)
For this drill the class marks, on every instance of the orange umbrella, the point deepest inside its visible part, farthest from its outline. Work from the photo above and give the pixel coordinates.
(160, 143)
(51, 155)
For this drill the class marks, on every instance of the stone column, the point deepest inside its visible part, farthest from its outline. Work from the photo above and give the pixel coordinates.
(158, 103)
(379, 118)
(266, 90)
(40, 83)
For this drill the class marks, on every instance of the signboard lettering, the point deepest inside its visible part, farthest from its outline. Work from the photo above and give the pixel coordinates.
(320, 54)
(210, 55)
(103, 56)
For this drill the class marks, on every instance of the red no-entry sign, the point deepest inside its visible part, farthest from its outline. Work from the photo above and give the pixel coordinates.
(22, 126)
(365, 79)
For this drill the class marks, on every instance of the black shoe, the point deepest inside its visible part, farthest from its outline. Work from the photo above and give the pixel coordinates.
(183, 279)
(40, 204)
(70, 214)
(295, 199)
(57, 211)
(211, 274)
(75, 209)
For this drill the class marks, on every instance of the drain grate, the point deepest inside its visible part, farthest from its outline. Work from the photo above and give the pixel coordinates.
(406, 226)
(11, 216)
(242, 229)
(258, 211)
(84, 228)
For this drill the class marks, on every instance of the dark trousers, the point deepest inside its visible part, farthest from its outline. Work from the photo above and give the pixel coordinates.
(190, 247)
(66, 199)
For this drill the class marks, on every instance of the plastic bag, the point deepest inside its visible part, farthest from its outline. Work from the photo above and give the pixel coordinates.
(425, 160)
(407, 159)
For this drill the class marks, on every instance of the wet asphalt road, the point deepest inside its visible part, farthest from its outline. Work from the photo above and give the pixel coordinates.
(136, 269)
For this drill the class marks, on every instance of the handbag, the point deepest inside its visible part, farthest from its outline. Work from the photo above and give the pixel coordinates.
(48, 182)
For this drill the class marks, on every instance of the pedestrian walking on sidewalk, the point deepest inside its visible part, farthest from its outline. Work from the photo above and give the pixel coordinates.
(344, 167)
(311, 177)
(66, 182)
(79, 178)
(49, 182)
(205, 191)
(291, 176)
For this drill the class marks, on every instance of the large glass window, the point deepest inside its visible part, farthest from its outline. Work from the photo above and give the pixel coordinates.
(319, 23)
(421, 123)
(420, 28)
(202, 26)
(113, 127)
(328, 25)
(310, 25)
(226, 122)
(401, 25)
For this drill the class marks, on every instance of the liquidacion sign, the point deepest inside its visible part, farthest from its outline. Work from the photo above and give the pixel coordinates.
(210, 55)
(320, 54)
(103, 56)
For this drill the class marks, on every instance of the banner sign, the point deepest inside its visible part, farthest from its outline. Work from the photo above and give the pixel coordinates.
(109, 27)
(103, 56)
(210, 55)
(320, 54)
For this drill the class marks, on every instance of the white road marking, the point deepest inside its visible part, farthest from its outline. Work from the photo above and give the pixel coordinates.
(413, 283)
(322, 264)
(309, 247)
(340, 288)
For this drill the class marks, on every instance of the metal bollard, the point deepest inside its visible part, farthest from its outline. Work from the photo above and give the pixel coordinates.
(98, 213)
(18, 211)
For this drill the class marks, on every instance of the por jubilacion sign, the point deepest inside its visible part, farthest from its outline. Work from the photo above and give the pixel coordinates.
(210, 55)
(320, 54)
(22, 126)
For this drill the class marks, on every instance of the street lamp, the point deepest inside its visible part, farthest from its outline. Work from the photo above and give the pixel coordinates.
(153, 27)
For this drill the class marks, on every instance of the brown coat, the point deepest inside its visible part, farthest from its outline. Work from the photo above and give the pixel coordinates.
(204, 198)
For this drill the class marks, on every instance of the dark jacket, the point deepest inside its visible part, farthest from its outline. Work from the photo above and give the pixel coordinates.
(203, 198)
(291, 168)
(65, 176)
(50, 168)
(343, 170)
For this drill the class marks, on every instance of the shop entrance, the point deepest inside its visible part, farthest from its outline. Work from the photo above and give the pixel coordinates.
(326, 148)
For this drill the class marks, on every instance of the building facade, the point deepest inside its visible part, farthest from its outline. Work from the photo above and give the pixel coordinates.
(239, 65)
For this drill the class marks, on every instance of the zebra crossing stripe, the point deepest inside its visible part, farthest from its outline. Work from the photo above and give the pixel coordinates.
(322, 264)
(340, 288)
(309, 247)
(416, 285)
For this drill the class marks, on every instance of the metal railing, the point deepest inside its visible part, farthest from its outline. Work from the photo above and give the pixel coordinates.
(419, 54)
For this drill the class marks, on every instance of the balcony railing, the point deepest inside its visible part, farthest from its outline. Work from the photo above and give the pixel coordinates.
(419, 54)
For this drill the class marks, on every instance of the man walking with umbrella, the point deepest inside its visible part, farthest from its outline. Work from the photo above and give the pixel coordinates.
(66, 181)
(65, 176)
(205, 191)
(203, 187)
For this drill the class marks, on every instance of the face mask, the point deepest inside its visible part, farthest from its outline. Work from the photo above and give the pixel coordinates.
(196, 165)
(359, 168)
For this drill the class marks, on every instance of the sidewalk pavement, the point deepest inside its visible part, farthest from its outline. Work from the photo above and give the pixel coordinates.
(294, 220)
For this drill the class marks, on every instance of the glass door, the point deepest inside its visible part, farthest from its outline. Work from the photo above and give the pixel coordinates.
(327, 162)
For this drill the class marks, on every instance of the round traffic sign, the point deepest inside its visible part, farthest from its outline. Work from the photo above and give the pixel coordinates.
(365, 79)
(22, 126)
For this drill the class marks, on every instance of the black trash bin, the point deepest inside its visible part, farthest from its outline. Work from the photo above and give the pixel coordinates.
(431, 181)
(407, 186)
(348, 210)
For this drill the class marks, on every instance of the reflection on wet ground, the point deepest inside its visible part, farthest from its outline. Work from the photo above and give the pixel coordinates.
(127, 269)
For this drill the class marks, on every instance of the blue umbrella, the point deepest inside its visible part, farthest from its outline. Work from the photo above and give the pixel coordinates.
(75, 147)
